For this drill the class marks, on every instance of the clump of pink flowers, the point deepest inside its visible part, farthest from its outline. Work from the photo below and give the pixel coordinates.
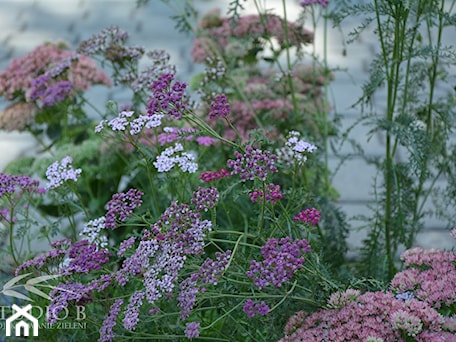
(49, 74)
(419, 306)
(430, 274)
(372, 315)
(216, 33)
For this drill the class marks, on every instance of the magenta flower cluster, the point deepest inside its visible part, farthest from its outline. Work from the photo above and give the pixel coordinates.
(84, 257)
(310, 216)
(168, 97)
(253, 163)
(220, 108)
(281, 259)
(172, 134)
(209, 176)
(121, 207)
(252, 308)
(273, 194)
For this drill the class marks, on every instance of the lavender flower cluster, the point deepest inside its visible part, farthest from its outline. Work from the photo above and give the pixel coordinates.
(169, 158)
(253, 163)
(11, 184)
(281, 259)
(252, 308)
(209, 176)
(49, 93)
(295, 149)
(121, 207)
(126, 119)
(60, 172)
(209, 273)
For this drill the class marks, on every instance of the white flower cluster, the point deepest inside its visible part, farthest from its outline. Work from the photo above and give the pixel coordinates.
(169, 157)
(295, 150)
(123, 120)
(92, 230)
(59, 172)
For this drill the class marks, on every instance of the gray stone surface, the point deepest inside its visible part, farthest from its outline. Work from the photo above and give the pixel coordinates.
(24, 24)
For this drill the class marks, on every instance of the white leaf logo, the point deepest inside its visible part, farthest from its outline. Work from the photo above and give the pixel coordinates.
(8, 288)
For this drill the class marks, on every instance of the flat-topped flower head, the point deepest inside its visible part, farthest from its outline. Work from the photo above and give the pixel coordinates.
(175, 155)
(60, 172)
(253, 163)
(121, 207)
(220, 108)
(168, 97)
(310, 216)
(281, 259)
(295, 150)
(10, 184)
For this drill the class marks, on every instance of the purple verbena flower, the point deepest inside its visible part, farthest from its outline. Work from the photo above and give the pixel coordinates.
(10, 184)
(62, 294)
(49, 91)
(99, 42)
(209, 176)
(85, 257)
(124, 245)
(209, 273)
(205, 140)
